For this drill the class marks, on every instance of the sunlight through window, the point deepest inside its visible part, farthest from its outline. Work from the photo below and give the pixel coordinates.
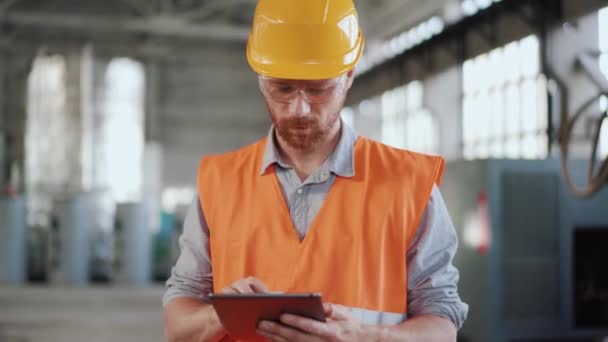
(46, 125)
(405, 121)
(505, 103)
(123, 130)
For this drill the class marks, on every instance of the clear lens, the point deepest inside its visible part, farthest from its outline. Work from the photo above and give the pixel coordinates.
(285, 91)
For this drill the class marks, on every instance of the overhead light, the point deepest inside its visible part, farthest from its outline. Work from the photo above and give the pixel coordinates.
(469, 7)
(483, 4)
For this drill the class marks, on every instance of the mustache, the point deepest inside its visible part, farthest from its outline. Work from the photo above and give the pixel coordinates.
(300, 122)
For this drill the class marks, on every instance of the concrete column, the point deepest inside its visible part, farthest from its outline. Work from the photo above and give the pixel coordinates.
(153, 149)
(74, 135)
(87, 117)
(447, 111)
(97, 176)
(13, 240)
(2, 116)
(152, 182)
(13, 113)
(152, 119)
(152, 194)
(134, 244)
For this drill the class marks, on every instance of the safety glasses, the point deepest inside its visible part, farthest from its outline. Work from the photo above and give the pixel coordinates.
(285, 91)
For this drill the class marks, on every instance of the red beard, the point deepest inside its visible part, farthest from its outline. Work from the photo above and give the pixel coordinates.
(302, 133)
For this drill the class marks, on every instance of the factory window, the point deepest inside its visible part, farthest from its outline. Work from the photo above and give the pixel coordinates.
(368, 119)
(603, 44)
(394, 104)
(175, 197)
(348, 116)
(123, 128)
(46, 127)
(405, 121)
(397, 118)
(404, 41)
(505, 111)
(603, 148)
(470, 7)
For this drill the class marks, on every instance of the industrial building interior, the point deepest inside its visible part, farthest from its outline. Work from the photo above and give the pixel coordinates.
(106, 108)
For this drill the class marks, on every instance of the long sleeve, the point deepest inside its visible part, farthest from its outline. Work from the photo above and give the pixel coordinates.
(192, 275)
(432, 278)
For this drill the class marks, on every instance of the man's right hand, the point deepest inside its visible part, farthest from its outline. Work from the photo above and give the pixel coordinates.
(246, 285)
(187, 319)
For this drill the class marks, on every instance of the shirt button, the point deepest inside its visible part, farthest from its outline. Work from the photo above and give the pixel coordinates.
(299, 191)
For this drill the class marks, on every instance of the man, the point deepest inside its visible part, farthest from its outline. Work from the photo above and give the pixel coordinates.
(314, 207)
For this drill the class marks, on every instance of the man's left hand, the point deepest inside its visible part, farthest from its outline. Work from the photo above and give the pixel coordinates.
(339, 326)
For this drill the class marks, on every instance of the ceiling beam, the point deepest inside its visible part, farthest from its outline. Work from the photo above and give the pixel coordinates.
(398, 16)
(128, 47)
(5, 5)
(166, 6)
(139, 7)
(212, 7)
(161, 26)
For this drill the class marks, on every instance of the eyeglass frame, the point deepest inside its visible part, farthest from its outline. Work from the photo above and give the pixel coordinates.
(332, 91)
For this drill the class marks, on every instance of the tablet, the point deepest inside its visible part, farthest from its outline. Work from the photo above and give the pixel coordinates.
(240, 313)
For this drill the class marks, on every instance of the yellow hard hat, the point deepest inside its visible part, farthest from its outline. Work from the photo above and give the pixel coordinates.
(304, 39)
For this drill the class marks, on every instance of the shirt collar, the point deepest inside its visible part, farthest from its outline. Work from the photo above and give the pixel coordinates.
(341, 161)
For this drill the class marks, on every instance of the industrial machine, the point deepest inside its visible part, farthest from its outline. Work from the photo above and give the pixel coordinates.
(13, 230)
(530, 260)
(133, 244)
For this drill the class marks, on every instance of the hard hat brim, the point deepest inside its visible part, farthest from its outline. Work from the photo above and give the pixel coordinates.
(306, 69)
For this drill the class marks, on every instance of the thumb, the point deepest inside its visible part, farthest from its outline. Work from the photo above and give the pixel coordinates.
(258, 286)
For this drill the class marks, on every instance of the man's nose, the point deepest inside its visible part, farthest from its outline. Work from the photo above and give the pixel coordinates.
(299, 105)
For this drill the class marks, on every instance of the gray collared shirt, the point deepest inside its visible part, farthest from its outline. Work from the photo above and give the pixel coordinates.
(432, 279)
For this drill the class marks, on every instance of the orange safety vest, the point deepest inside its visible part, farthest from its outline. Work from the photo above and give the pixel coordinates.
(354, 253)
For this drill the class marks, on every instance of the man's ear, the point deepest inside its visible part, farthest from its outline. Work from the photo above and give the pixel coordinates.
(350, 77)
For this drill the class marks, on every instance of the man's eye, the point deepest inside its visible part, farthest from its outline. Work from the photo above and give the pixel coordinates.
(284, 89)
(316, 91)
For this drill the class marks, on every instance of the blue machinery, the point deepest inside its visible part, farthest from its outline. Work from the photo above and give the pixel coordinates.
(519, 258)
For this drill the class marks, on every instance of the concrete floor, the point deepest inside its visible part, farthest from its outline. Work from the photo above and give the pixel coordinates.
(99, 314)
